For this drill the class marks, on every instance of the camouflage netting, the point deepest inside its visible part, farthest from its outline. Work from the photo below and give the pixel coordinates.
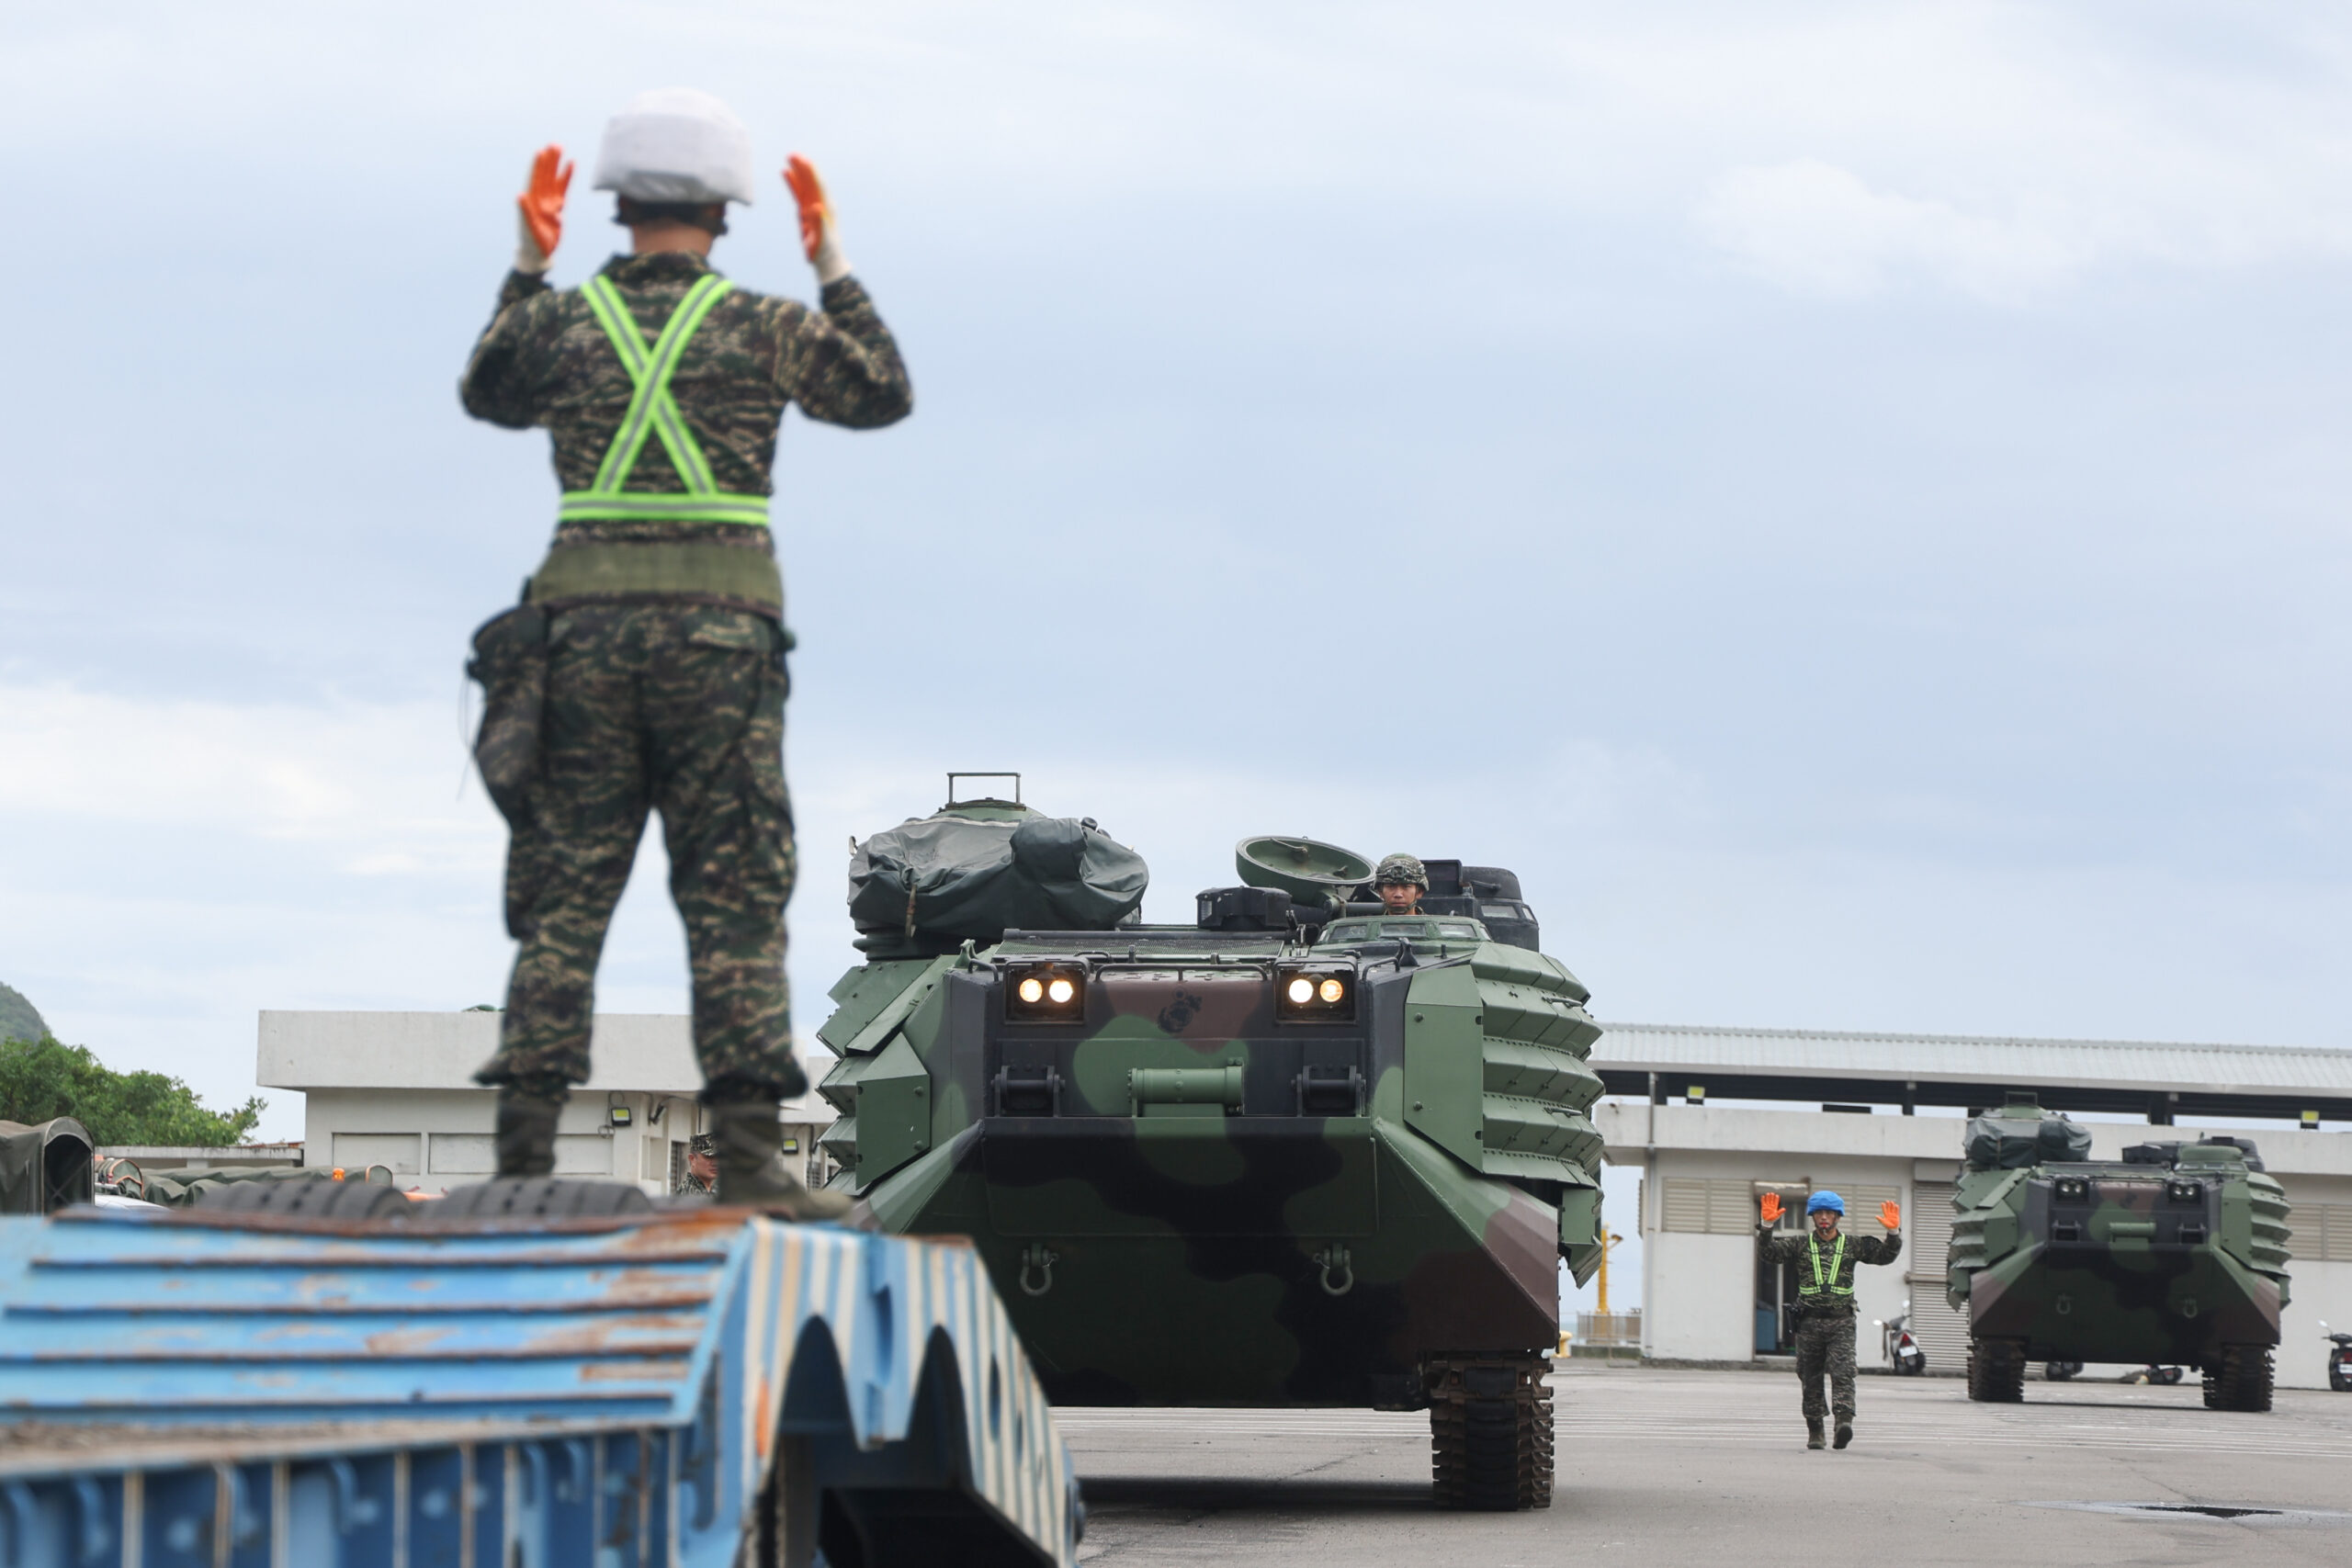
(2018, 1137)
(931, 883)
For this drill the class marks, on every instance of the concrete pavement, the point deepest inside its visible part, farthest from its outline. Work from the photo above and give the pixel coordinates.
(1710, 1468)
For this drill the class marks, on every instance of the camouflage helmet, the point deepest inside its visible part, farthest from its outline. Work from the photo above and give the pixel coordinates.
(1403, 869)
(705, 1143)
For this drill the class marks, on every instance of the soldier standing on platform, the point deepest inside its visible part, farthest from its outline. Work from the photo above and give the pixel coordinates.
(644, 671)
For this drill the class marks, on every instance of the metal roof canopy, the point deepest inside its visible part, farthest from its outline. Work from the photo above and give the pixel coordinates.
(2159, 1080)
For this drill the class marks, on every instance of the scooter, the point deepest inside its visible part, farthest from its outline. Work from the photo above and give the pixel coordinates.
(1903, 1350)
(2339, 1360)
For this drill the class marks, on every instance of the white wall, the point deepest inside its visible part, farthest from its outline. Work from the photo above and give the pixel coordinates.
(2322, 1292)
(437, 1139)
(1701, 1287)
(397, 1088)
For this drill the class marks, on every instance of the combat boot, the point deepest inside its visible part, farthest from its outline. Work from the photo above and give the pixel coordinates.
(1845, 1434)
(748, 1153)
(525, 1138)
(1813, 1437)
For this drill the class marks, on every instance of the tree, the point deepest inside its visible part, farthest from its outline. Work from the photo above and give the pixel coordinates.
(19, 1020)
(43, 1078)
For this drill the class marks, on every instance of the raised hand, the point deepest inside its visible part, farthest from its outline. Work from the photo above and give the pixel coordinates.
(820, 235)
(1771, 1208)
(541, 204)
(1889, 1214)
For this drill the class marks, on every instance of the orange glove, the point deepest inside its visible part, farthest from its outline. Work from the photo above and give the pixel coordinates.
(541, 206)
(1891, 1215)
(1770, 1207)
(820, 236)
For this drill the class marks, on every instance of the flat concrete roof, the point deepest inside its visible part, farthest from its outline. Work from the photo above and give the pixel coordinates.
(2129, 1077)
(1933, 1142)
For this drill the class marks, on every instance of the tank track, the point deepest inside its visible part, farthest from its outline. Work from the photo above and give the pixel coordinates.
(2242, 1381)
(1996, 1370)
(1490, 1431)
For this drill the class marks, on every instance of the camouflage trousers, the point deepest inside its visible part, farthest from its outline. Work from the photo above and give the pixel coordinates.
(679, 709)
(1826, 1346)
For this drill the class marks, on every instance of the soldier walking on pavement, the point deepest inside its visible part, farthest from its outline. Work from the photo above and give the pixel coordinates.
(644, 670)
(1825, 1261)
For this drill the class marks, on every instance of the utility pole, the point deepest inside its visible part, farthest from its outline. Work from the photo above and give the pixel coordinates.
(1607, 1240)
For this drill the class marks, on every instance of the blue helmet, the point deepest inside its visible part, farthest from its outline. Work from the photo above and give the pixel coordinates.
(1829, 1201)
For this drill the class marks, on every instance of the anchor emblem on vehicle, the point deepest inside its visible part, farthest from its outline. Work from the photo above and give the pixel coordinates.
(1181, 1011)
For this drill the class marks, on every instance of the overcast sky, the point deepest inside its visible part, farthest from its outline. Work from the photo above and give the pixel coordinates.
(1848, 499)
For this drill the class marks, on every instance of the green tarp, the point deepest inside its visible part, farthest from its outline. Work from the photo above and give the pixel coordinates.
(45, 1167)
(1998, 1141)
(931, 882)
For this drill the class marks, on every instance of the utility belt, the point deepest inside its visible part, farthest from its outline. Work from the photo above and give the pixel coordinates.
(510, 660)
(680, 568)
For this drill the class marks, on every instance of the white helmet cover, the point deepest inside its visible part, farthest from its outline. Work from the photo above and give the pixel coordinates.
(676, 144)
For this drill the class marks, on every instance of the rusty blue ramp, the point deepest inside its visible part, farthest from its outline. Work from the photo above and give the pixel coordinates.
(696, 1387)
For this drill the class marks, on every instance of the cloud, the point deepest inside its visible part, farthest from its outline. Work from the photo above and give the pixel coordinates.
(377, 784)
(1817, 228)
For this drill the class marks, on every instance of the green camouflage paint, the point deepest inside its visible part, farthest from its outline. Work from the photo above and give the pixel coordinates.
(2176, 1255)
(1389, 1190)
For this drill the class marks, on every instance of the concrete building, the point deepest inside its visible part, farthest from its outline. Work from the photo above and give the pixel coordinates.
(1704, 1164)
(396, 1089)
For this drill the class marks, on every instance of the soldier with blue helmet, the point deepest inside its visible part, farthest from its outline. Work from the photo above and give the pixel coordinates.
(1826, 1259)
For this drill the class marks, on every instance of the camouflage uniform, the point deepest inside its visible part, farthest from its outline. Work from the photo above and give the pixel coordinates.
(664, 657)
(1825, 1326)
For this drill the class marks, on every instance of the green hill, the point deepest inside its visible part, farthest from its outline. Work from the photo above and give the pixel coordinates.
(19, 1020)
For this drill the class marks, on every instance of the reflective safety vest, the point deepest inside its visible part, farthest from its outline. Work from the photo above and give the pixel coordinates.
(1822, 1285)
(652, 411)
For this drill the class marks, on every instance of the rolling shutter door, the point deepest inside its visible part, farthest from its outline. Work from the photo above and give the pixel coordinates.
(1710, 1206)
(1941, 1332)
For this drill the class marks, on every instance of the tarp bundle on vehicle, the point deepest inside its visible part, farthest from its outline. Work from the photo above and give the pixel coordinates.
(2018, 1137)
(45, 1166)
(933, 881)
(184, 1189)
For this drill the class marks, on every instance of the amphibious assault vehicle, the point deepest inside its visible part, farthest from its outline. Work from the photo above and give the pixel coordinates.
(1301, 1152)
(2174, 1255)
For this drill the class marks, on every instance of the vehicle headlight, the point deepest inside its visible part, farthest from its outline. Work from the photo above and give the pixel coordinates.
(1044, 993)
(1316, 993)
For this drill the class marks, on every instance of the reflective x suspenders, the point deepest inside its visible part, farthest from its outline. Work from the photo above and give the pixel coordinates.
(1818, 1285)
(670, 566)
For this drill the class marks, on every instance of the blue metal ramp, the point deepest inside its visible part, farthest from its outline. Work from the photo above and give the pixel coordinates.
(696, 1387)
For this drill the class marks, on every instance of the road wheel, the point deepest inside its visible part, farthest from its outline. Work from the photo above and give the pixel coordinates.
(1997, 1371)
(1491, 1432)
(2241, 1380)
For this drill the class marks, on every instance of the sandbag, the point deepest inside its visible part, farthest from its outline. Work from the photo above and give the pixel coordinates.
(934, 882)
